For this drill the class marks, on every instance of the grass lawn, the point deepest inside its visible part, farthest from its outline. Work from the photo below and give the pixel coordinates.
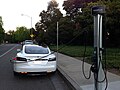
(112, 54)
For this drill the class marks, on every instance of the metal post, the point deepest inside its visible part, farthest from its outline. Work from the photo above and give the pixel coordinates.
(31, 22)
(31, 28)
(28, 17)
(98, 74)
(57, 39)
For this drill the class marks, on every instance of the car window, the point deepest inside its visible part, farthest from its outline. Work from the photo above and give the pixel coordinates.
(36, 50)
(28, 40)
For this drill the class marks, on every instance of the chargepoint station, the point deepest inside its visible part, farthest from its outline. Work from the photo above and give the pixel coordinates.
(97, 12)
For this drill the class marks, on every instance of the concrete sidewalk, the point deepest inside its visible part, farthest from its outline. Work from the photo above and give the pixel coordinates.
(71, 69)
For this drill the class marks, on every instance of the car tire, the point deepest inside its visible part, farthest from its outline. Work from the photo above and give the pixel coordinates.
(53, 72)
(15, 73)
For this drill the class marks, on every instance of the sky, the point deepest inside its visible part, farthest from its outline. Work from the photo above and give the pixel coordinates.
(11, 11)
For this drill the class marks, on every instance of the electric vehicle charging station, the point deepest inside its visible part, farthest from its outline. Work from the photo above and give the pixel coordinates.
(97, 69)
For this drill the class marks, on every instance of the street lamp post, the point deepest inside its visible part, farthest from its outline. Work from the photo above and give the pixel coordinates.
(29, 17)
(30, 23)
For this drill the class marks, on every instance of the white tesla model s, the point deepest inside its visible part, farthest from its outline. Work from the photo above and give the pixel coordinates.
(34, 59)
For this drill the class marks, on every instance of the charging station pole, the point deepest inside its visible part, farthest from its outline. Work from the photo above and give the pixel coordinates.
(97, 12)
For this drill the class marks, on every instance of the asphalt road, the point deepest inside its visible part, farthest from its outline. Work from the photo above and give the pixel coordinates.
(9, 82)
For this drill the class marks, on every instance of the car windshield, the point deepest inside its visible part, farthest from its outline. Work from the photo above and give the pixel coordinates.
(28, 42)
(36, 50)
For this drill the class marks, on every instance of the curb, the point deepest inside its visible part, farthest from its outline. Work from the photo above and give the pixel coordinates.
(71, 83)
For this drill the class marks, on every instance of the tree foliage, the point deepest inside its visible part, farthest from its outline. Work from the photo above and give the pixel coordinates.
(72, 7)
(77, 21)
(85, 19)
(113, 22)
(46, 27)
(1, 30)
(21, 34)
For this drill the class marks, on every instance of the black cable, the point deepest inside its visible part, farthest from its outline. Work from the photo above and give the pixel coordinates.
(100, 62)
(55, 51)
(105, 74)
(85, 41)
(71, 40)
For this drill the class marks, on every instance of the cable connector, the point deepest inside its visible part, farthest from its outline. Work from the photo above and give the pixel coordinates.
(102, 49)
(94, 69)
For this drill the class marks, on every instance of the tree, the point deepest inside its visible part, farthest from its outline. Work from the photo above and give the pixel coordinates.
(10, 36)
(70, 26)
(66, 30)
(72, 7)
(47, 25)
(53, 11)
(113, 22)
(1, 30)
(1, 22)
(21, 34)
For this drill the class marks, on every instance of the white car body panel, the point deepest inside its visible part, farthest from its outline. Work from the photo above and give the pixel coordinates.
(35, 66)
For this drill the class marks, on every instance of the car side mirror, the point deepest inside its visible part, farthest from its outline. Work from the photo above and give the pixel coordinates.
(18, 50)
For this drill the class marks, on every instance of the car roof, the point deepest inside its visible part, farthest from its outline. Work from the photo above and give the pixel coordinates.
(31, 45)
(28, 40)
(35, 45)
